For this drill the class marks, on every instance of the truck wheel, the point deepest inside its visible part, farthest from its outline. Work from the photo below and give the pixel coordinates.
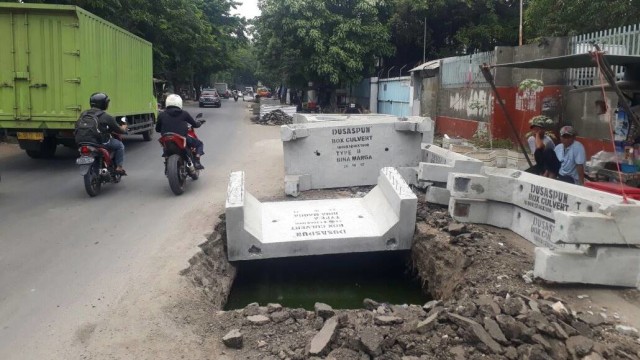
(46, 150)
(147, 135)
(176, 173)
(92, 183)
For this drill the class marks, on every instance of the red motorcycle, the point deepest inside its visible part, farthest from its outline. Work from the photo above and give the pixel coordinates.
(97, 165)
(179, 159)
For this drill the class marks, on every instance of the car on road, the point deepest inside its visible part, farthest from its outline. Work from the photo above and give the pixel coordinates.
(209, 98)
(263, 92)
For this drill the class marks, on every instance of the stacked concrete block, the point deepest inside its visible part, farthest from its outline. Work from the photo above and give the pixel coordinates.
(383, 220)
(436, 165)
(573, 226)
(350, 152)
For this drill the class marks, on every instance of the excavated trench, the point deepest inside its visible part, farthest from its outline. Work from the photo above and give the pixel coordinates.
(483, 307)
(342, 281)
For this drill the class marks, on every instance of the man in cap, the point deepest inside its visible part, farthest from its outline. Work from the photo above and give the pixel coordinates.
(542, 147)
(572, 157)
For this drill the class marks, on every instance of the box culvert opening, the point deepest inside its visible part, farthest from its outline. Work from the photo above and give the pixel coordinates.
(342, 281)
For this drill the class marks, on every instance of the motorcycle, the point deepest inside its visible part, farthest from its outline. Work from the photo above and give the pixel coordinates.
(97, 165)
(179, 159)
(235, 96)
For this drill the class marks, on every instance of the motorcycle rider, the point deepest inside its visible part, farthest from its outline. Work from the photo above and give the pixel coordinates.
(106, 125)
(175, 120)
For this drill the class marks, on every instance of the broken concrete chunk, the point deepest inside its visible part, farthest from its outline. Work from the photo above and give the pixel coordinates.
(273, 308)
(559, 331)
(387, 320)
(258, 319)
(251, 309)
(427, 324)
(593, 356)
(370, 304)
(559, 308)
(430, 305)
(320, 342)
(457, 229)
(371, 341)
(514, 306)
(579, 346)
(509, 326)
(493, 329)
(233, 339)
(627, 330)
(477, 331)
(323, 310)
(539, 339)
(591, 319)
(458, 353)
(343, 354)
(280, 316)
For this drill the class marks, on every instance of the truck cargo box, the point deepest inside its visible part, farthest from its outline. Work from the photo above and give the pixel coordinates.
(53, 57)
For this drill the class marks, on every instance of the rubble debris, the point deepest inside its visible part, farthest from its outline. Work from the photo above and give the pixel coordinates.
(275, 117)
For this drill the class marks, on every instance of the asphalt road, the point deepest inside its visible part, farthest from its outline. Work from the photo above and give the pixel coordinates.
(63, 254)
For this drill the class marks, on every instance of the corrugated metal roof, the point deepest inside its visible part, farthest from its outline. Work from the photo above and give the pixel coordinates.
(572, 61)
(429, 65)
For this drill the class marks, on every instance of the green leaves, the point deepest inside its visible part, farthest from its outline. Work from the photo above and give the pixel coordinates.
(329, 42)
(562, 17)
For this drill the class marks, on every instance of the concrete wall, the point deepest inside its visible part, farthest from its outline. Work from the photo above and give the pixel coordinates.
(429, 97)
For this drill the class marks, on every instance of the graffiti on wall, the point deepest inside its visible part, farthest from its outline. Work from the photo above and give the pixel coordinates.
(528, 100)
(475, 104)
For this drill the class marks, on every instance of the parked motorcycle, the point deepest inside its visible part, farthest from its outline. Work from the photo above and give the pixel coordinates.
(179, 159)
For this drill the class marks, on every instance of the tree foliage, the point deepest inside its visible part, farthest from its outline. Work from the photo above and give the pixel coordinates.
(453, 27)
(191, 38)
(564, 17)
(327, 41)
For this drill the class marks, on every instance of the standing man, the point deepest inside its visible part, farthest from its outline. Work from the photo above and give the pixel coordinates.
(543, 148)
(572, 157)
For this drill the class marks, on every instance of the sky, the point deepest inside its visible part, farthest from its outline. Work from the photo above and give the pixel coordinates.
(248, 9)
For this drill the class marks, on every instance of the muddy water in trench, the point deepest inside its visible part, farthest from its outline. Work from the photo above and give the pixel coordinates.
(341, 281)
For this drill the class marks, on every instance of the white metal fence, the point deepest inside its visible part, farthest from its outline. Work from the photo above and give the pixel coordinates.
(624, 40)
(462, 71)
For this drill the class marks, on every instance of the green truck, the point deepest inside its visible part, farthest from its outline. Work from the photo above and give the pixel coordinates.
(52, 58)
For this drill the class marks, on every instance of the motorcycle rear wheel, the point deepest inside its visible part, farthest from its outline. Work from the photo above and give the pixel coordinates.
(92, 182)
(176, 172)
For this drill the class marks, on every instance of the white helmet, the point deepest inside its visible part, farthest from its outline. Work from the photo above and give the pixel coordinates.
(174, 100)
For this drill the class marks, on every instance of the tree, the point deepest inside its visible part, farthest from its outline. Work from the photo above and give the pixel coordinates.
(325, 41)
(454, 27)
(562, 17)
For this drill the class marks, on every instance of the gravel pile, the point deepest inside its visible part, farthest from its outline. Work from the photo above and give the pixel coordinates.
(276, 117)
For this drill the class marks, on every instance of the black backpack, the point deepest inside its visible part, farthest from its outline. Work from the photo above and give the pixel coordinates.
(87, 127)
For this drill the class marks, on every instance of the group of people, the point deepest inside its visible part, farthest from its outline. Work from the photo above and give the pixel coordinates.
(565, 161)
(172, 120)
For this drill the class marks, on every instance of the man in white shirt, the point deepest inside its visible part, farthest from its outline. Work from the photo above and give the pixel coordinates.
(572, 157)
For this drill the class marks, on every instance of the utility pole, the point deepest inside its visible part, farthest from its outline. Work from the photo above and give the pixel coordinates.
(424, 42)
(520, 23)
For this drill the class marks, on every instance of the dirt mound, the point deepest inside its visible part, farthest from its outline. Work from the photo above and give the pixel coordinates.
(210, 270)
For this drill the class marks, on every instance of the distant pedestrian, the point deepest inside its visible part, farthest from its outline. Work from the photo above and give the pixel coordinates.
(572, 157)
(542, 148)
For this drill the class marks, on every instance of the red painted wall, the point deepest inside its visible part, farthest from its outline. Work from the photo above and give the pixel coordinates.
(453, 127)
